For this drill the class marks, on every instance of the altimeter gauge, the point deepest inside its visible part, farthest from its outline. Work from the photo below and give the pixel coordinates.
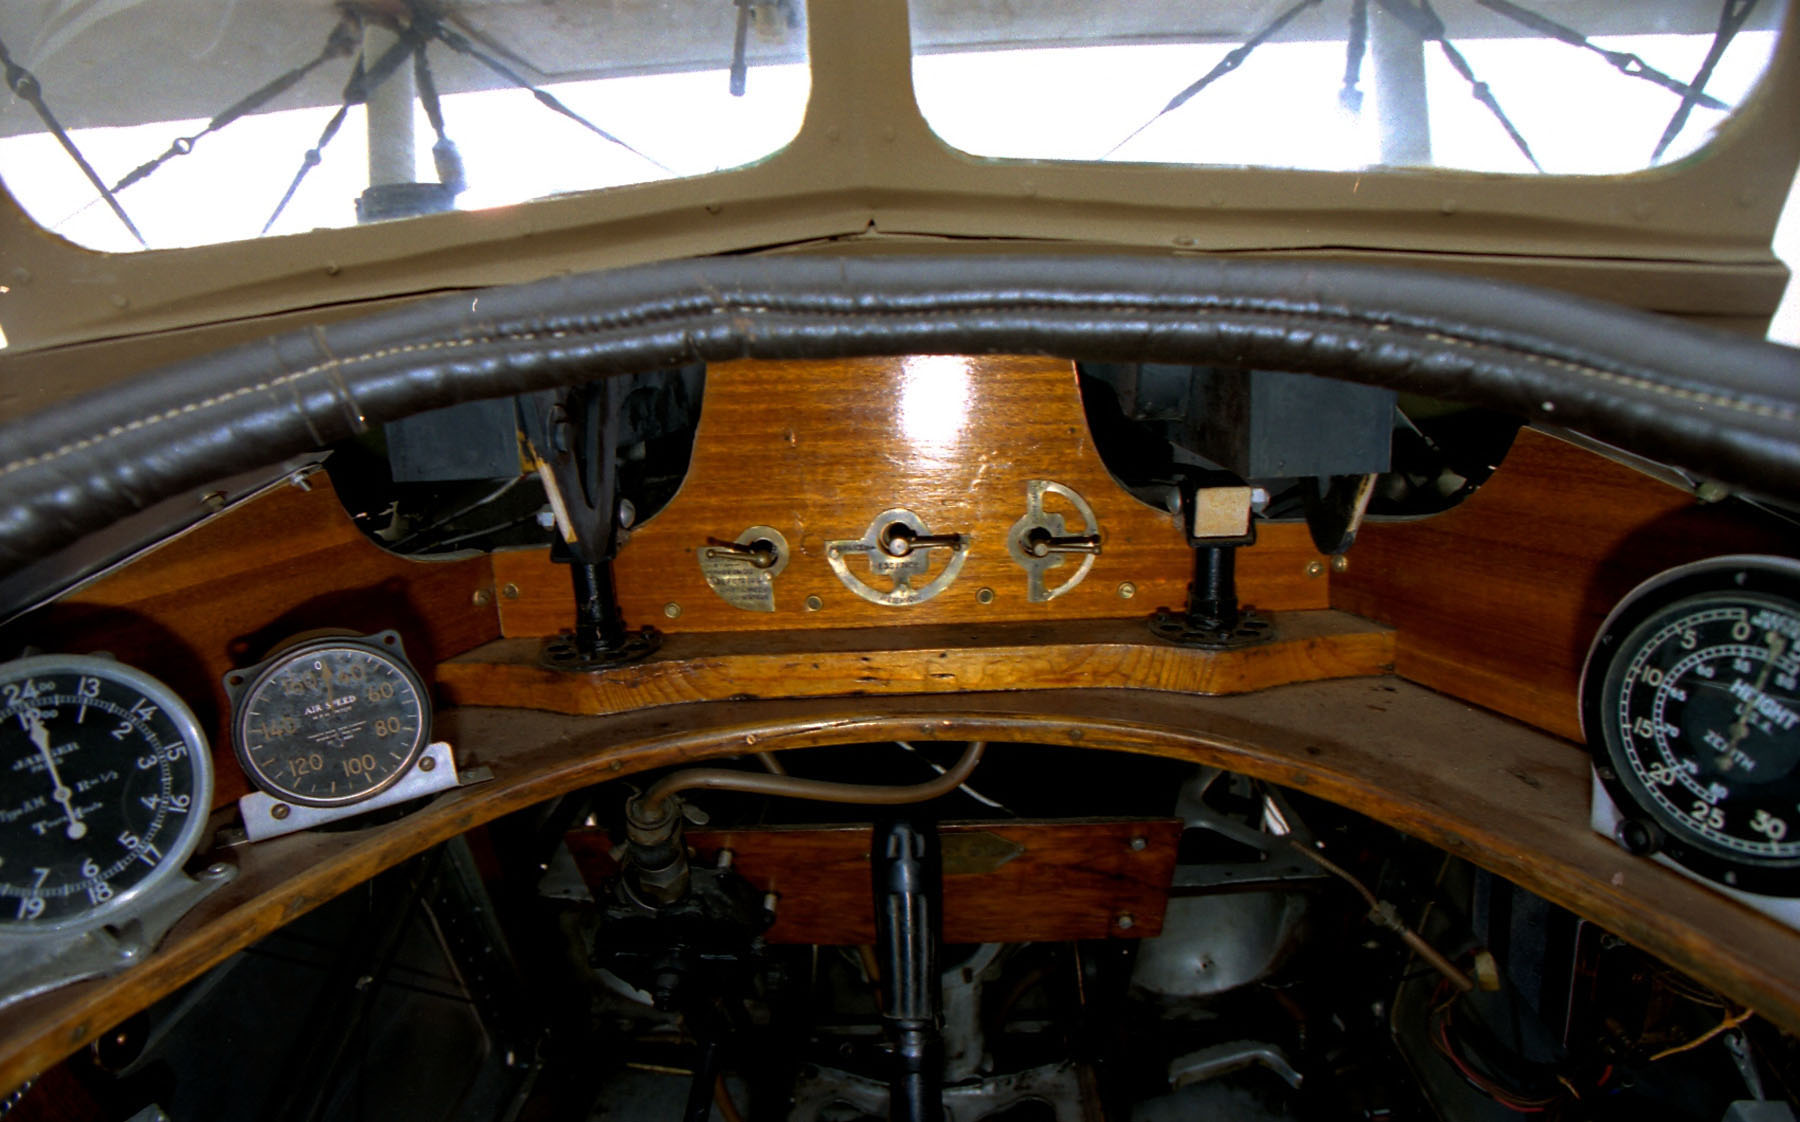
(105, 787)
(330, 721)
(1691, 706)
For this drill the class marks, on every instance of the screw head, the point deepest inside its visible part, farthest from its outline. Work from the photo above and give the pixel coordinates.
(1127, 590)
(1315, 568)
(280, 811)
(429, 763)
(672, 610)
(482, 598)
(1139, 844)
(510, 591)
(813, 603)
(984, 596)
(1340, 563)
(1126, 921)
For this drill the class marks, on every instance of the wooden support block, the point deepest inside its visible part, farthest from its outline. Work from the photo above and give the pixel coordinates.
(1309, 646)
(1006, 881)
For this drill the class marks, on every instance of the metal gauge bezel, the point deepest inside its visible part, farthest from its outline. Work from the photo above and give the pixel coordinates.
(1757, 575)
(198, 755)
(242, 685)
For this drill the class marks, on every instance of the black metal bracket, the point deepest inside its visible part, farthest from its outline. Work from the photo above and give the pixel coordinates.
(1213, 619)
(573, 434)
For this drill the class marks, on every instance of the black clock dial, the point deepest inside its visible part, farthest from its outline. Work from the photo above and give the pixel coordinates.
(105, 784)
(331, 721)
(1692, 706)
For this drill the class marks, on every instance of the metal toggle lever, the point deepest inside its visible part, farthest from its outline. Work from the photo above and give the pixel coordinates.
(900, 540)
(762, 553)
(1040, 542)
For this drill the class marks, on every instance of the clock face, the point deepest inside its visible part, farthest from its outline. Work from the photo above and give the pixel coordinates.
(105, 786)
(1694, 715)
(331, 722)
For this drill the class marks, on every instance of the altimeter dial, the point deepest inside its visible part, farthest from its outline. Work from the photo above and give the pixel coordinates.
(1691, 703)
(330, 721)
(105, 785)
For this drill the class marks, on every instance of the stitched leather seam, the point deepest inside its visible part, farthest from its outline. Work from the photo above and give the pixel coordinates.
(1625, 380)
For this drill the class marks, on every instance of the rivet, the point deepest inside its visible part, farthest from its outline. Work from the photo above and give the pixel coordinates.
(672, 610)
(1127, 590)
(813, 603)
(984, 596)
(280, 811)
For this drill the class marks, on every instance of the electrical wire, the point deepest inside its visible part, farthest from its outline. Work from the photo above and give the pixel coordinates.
(1731, 1021)
(965, 788)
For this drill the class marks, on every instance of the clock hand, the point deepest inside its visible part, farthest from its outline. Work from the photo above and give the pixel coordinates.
(40, 736)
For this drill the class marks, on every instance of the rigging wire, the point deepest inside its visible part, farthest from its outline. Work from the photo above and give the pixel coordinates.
(1426, 23)
(364, 80)
(25, 85)
(339, 44)
(461, 45)
(1731, 20)
(1626, 63)
(1232, 60)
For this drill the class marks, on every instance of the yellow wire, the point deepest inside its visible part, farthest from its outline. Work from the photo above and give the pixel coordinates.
(1727, 1024)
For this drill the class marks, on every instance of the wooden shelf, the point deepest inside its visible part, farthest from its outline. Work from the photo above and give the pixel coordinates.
(868, 661)
(1505, 796)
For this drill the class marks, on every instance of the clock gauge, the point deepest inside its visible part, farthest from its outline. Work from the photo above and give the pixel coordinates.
(105, 787)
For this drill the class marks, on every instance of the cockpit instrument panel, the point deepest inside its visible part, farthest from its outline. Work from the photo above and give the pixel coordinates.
(1691, 706)
(105, 787)
(330, 721)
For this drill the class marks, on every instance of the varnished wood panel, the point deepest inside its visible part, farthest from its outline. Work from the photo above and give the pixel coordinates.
(1498, 600)
(1058, 880)
(1090, 653)
(818, 449)
(219, 596)
(1509, 798)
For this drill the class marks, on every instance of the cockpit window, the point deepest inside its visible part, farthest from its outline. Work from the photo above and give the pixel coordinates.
(163, 123)
(1560, 87)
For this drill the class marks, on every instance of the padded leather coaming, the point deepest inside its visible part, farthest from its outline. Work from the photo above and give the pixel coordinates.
(1718, 405)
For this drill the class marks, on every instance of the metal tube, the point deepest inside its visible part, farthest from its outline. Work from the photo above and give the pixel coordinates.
(391, 155)
(1398, 52)
(817, 790)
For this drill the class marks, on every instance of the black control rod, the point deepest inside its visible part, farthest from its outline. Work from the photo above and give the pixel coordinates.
(908, 882)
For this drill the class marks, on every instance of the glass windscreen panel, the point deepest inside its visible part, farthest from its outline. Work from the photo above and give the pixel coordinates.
(163, 123)
(1560, 87)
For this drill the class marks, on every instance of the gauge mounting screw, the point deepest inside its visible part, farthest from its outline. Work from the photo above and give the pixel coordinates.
(1638, 837)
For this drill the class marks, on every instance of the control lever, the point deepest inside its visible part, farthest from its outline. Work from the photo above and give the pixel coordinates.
(907, 868)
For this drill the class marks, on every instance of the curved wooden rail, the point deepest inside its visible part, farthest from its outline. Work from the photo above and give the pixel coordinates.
(1502, 795)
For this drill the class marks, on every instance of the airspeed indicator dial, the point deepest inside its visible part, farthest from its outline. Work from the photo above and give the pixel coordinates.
(330, 721)
(1691, 704)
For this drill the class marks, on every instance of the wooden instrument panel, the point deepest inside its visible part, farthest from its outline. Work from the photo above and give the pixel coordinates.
(1498, 600)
